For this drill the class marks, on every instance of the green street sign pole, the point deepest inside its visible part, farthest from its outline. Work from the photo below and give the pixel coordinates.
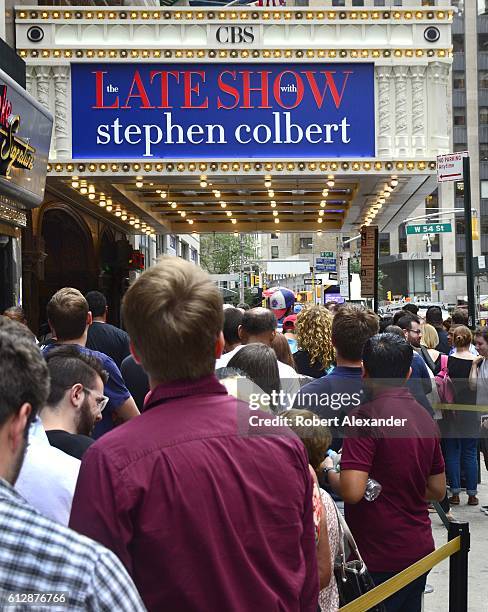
(469, 243)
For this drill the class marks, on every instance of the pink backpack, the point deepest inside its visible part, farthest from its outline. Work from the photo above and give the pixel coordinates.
(445, 387)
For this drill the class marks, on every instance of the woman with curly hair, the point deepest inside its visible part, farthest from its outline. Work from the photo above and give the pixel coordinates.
(315, 353)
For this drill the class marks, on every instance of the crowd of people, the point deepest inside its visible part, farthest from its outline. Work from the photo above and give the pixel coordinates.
(203, 459)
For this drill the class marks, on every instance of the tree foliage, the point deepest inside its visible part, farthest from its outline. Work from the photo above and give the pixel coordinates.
(221, 253)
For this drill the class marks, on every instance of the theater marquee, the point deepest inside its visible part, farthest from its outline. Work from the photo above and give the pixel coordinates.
(158, 111)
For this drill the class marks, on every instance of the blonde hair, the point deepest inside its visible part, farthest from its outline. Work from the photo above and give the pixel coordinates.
(174, 315)
(430, 337)
(314, 334)
(461, 336)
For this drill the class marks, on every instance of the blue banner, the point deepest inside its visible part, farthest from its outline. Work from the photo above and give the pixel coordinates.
(233, 111)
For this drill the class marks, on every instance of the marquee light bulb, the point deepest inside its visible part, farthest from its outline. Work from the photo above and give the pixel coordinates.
(319, 220)
(91, 188)
(91, 196)
(118, 213)
(123, 216)
(75, 184)
(275, 213)
(323, 203)
(229, 213)
(163, 194)
(223, 204)
(277, 220)
(174, 204)
(271, 193)
(233, 221)
(190, 221)
(137, 225)
(84, 190)
(273, 204)
(217, 193)
(330, 183)
(203, 181)
(321, 213)
(325, 192)
(267, 183)
(102, 203)
(139, 184)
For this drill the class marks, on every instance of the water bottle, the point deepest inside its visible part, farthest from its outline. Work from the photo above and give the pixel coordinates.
(373, 489)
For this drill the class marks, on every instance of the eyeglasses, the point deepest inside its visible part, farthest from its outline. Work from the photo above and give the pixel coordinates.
(415, 331)
(101, 401)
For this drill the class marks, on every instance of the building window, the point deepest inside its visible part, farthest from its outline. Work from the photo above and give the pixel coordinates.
(172, 242)
(459, 147)
(484, 189)
(274, 236)
(483, 79)
(483, 112)
(459, 115)
(435, 243)
(185, 251)
(484, 151)
(275, 252)
(194, 255)
(458, 43)
(460, 263)
(384, 244)
(402, 238)
(482, 42)
(458, 81)
(305, 243)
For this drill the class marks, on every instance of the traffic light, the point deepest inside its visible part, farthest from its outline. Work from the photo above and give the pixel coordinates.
(388, 296)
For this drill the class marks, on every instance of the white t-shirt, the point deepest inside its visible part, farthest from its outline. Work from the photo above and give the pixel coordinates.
(48, 476)
(290, 381)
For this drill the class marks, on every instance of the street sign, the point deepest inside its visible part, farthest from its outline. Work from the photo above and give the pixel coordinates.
(344, 274)
(326, 254)
(325, 260)
(369, 261)
(429, 228)
(311, 281)
(326, 268)
(450, 167)
(333, 276)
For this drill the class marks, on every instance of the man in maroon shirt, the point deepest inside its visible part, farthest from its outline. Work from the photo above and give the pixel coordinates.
(403, 454)
(205, 514)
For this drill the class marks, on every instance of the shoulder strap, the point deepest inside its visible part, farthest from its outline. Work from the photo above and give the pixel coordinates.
(345, 532)
(444, 359)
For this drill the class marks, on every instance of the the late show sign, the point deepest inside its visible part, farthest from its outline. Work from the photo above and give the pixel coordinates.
(157, 111)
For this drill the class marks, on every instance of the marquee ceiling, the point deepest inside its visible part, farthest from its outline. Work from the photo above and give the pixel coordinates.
(246, 203)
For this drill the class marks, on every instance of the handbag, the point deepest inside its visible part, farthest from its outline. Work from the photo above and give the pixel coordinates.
(352, 577)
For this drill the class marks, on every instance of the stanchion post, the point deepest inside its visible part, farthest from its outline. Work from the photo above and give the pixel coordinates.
(458, 568)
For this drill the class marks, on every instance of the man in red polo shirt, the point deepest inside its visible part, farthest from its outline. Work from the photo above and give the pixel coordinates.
(204, 514)
(397, 445)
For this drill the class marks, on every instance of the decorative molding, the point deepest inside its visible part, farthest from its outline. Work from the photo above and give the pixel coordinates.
(401, 110)
(62, 118)
(418, 108)
(383, 76)
(43, 75)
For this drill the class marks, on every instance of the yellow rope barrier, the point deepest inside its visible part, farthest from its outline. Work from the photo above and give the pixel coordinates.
(408, 575)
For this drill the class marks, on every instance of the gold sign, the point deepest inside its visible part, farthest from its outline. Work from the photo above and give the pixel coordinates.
(14, 151)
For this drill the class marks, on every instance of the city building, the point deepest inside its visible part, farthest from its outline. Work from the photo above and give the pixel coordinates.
(158, 131)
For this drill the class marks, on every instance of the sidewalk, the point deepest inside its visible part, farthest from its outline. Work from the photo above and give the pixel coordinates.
(438, 601)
